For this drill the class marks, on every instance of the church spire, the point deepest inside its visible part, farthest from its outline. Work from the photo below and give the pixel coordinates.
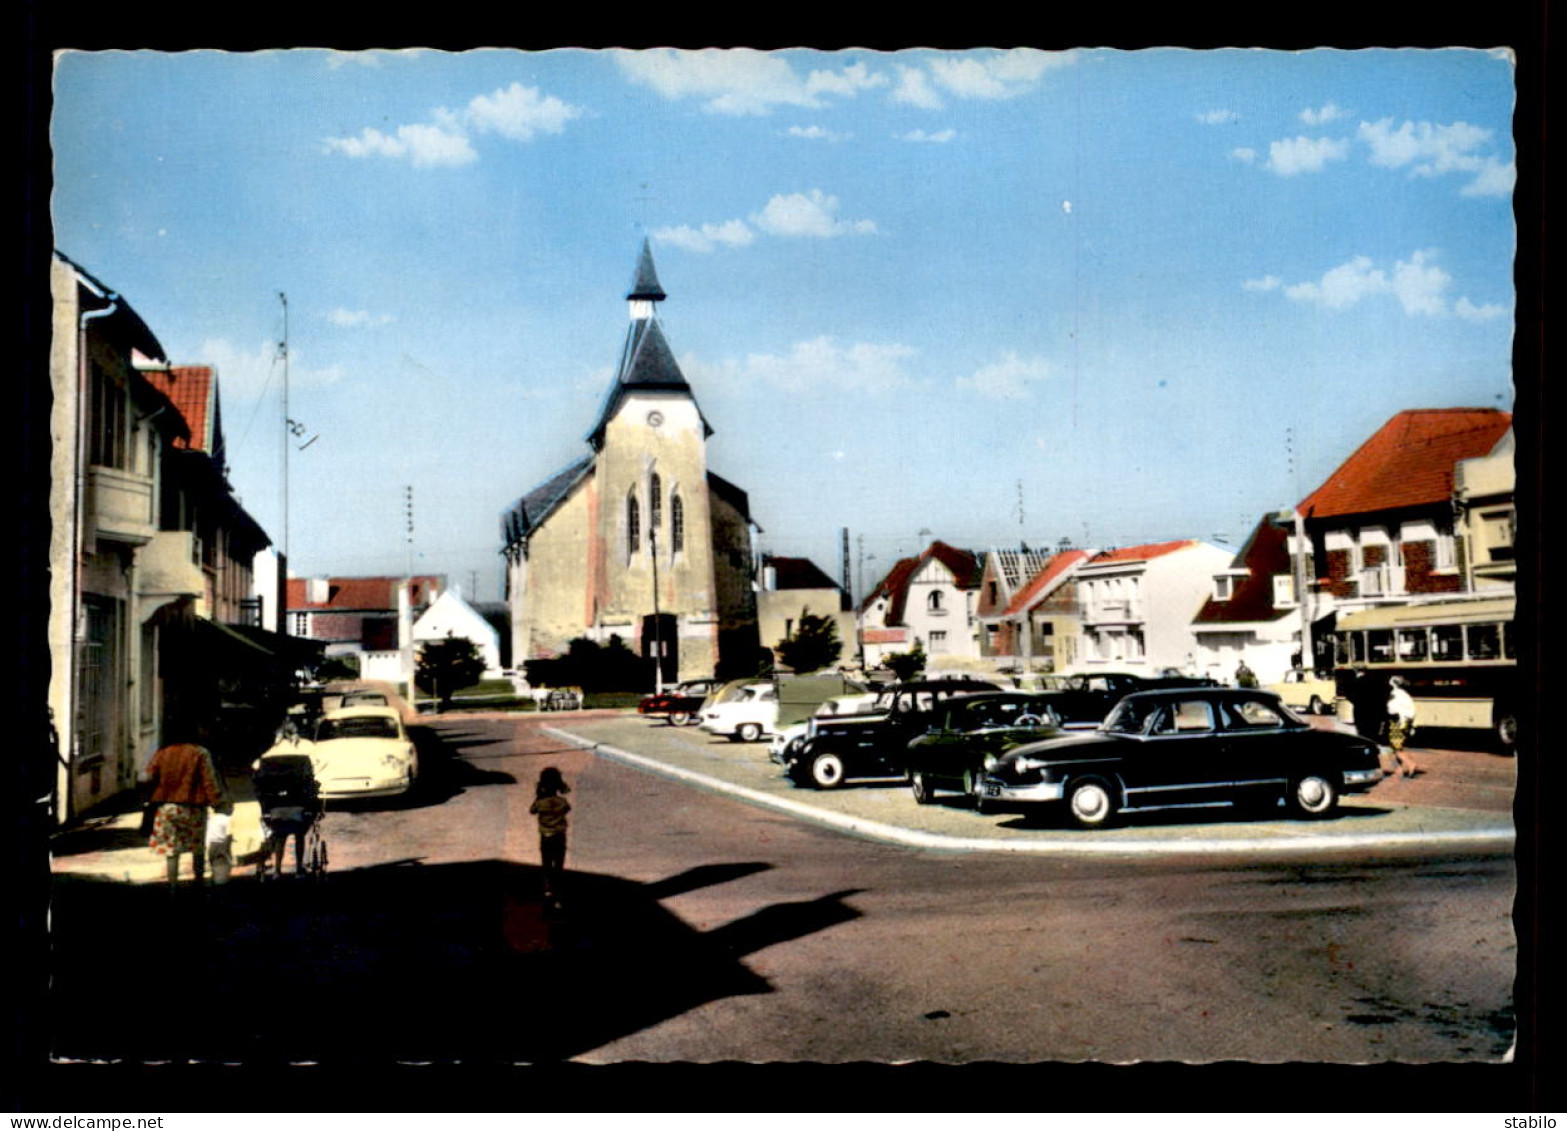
(645, 288)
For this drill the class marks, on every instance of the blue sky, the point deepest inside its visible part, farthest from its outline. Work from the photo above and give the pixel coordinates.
(988, 296)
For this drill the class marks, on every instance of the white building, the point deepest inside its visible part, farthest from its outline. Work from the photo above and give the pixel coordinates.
(450, 615)
(1137, 604)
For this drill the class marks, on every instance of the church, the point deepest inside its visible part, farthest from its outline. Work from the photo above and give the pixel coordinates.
(638, 539)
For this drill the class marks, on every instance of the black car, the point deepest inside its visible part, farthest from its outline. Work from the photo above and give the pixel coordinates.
(1083, 701)
(965, 735)
(871, 744)
(1185, 748)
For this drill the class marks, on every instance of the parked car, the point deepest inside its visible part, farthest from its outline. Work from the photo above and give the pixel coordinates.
(363, 752)
(1082, 701)
(965, 735)
(364, 699)
(871, 744)
(788, 739)
(1188, 747)
(1306, 691)
(744, 717)
(681, 704)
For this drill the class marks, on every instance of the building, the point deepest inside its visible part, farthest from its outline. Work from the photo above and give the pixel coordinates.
(1137, 604)
(1252, 615)
(1004, 575)
(638, 539)
(792, 587)
(1042, 622)
(150, 623)
(1485, 517)
(450, 616)
(931, 601)
(367, 622)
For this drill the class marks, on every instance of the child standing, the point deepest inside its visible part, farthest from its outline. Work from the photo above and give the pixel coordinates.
(551, 809)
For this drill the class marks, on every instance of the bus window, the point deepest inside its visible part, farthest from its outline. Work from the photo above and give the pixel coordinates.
(1412, 645)
(1379, 646)
(1484, 641)
(1447, 642)
(1357, 647)
(1507, 642)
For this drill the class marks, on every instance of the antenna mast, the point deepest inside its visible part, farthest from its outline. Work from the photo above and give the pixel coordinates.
(287, 423)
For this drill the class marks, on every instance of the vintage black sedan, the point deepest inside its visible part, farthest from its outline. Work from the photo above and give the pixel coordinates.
(965, 735)
(1192, 747)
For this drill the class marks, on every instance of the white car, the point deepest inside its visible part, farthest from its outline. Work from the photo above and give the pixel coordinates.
(363, 752)
(746, 717)
(1305, 692)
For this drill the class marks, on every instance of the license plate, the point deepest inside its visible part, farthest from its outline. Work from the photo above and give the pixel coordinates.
(992, 790)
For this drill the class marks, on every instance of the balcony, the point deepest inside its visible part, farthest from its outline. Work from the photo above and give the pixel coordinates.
(119, 506)
(1114, 612)
(169, 568)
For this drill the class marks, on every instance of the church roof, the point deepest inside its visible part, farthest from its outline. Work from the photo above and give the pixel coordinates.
(647, 364)
(527, 513)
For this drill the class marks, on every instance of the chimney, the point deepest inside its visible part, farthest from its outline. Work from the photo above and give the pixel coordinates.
(318, 590)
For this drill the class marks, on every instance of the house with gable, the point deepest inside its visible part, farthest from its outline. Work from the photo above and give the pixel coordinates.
(1381, 528)
(1041, 624)
(932, 600)
(451, 616)
(1251, 613)
(1137, 604)
(1004, 573)
(367, 619)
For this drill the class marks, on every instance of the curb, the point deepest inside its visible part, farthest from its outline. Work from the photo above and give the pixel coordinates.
(913, 838)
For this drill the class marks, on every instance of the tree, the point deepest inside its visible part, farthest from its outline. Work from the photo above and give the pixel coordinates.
(906, 665)
(813, 645)
(446, 666)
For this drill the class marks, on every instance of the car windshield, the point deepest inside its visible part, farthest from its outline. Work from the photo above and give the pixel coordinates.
(369, 727)
(1130, 716)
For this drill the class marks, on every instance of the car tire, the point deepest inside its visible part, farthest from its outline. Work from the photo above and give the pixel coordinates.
(1505, 727)
(919, 785)
(679, 718)
(1091, 802)
(1316, 706)
(826, 771)
(1312, 796)
(750, 732)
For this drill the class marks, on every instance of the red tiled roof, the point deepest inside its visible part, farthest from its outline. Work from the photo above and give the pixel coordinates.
(361, 593)
(1141, 553)
(965, 566)
(1044, 580)
(192, 389)
(1408, 462)
(1265, 554)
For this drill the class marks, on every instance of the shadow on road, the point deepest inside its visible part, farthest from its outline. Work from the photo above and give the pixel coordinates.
(453, 962)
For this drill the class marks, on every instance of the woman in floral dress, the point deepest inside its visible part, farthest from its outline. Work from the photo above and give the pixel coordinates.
(182, 783)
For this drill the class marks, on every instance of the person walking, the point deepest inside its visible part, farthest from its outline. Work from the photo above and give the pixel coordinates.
(550, 807)
(1244, 676)
(182, 781)
(1401, 724)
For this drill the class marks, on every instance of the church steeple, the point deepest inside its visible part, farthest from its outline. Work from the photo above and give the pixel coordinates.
(645, 288)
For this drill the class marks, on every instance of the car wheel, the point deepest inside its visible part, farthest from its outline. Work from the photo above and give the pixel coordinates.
(750, 732)
(1316, 706)
(1091, 802)
(1506, 727)
(827, 771)
(679, 718)
(1313, 796)
(920, 785)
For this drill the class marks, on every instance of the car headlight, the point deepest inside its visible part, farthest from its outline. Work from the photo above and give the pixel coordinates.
(991, 761)
(1029, 765)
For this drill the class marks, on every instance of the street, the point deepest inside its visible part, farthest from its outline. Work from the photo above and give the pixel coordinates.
(696, 927)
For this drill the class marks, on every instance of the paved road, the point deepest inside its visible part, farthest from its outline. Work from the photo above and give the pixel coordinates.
(698, 927)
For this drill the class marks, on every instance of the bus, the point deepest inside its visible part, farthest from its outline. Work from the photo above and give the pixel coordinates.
(1459, 657)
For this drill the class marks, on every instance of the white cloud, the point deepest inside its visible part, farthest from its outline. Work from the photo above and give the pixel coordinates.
(353, 318)
(939, 136)
(815, 133)
(1305, 154)
(914, 89)
(1419, 285)
(817, 363)
(246, 375)
(336, 59)
(740, 80)
(1266, 283)
(424, 146)
(1005, 74)
(1010, 378)
(516, 112)
(808, 214)
(1244, 155)
(731, 233)
(1328, 113)
(1428, 150)
(1218, 117)
(1469, 312)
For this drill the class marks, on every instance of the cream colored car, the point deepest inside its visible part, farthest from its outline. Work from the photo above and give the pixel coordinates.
(1305, 692)
(363, 752)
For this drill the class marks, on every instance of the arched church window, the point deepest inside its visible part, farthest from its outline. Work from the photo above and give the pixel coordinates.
(633, 524)
(677, 525)
(655, 510)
